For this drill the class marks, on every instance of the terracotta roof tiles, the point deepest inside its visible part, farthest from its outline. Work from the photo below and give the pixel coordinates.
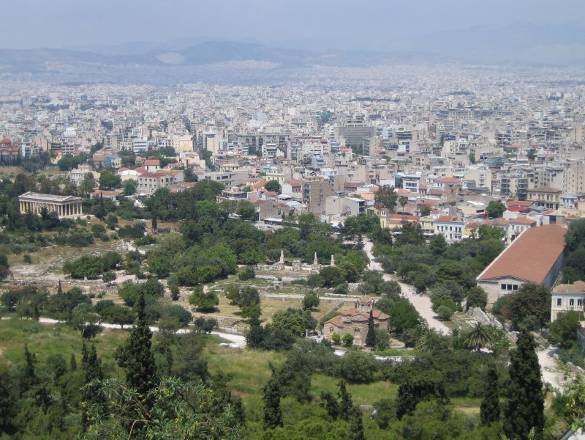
(530, 257)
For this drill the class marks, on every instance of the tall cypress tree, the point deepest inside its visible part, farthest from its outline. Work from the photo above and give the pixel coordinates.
(92, 370)
(272, 411)
(8, 406)
(371, 336)
(136, 356)
(525, 409)
(329, 402)
(356, 426)
(28, 375)
(345, 402)
(490, 405)
(73, 363)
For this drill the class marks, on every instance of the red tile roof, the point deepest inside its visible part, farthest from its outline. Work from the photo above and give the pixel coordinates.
(522, 220)
(530, 257)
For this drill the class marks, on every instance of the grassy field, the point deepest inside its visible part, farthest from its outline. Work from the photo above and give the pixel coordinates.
(247, 370)
(46, 340)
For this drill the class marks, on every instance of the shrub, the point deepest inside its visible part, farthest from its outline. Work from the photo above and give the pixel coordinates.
(347, 340)
(358, 367)
(109, 276)
(445, 312)
(247, 273)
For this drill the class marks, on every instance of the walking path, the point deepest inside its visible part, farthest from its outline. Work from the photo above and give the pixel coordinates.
(422, 303)
(234, 341)
(551, 373)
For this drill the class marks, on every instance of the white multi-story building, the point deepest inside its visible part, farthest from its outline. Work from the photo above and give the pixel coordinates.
(567, 298)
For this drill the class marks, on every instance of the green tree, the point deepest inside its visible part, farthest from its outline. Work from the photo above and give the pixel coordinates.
(358, 367)
(356, 426)
(87, 184)
(524, 412)
(563, 331)
(246, 210)
(310, 301)
(490, 405)
(329, 402)
(272, 410)
(345, 403)
(273, 186)
(129, 186)
(204, 302)
(8, 407)
(247, 273)
(136, 355)
(109, 180)
(331, 276)
(530, 307)
(575, 235)
(386, 197)
(402, 201)
(438, 244)
(415, 390)
(476, 297)
(573, 403)
(424, 210)
(29, 373)
(477, 337)
(371, 335)
(189, 175)
(347, 340)
(4, 267)
(179, 410)
(92, 372)
(495, 209)
(293, 321)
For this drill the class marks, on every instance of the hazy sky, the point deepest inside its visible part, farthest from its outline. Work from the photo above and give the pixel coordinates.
(356, 24)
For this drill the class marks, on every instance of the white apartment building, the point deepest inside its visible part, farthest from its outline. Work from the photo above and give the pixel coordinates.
(566, 298)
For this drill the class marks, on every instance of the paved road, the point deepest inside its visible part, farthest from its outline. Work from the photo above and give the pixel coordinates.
(422, 303)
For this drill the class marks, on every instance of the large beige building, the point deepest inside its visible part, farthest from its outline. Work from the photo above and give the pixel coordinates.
(63, 206)
(575, 178)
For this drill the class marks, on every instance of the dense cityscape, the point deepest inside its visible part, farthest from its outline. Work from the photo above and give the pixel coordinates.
(285, 244)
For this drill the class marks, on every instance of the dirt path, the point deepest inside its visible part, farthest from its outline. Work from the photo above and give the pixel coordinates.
(421, 303)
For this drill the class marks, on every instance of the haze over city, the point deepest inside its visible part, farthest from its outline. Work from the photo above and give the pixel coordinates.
(312, 220)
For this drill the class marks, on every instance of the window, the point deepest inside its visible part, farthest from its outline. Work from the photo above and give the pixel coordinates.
(509, 287)
(580, 302)
(503, 286)
(559, 302)
(571, 302)
(515, 286)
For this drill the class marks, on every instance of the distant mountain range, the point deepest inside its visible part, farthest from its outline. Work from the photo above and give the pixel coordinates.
(203, 53)
(194, 60)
